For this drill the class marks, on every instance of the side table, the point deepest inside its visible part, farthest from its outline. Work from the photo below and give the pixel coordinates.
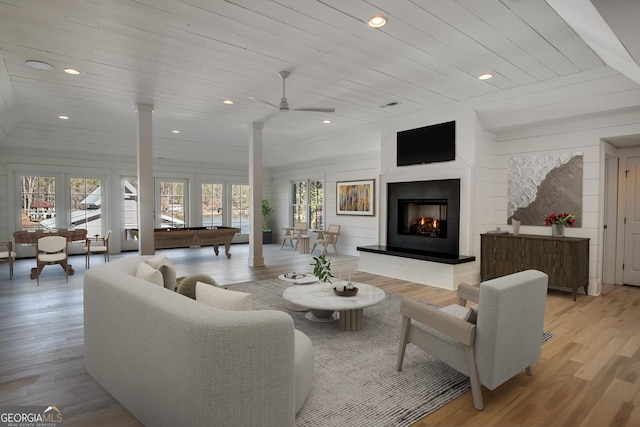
(304, 244)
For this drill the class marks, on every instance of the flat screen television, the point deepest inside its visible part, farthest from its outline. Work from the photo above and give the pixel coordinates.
(429, 144)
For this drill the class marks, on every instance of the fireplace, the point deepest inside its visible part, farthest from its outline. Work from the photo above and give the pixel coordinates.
(424, 216)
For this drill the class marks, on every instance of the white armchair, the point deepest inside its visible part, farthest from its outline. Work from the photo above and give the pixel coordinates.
(506, 338)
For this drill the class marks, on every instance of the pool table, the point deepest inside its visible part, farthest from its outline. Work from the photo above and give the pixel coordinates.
(165, 238)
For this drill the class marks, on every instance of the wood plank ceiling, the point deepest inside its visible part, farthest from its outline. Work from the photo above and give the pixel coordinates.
(186, 57)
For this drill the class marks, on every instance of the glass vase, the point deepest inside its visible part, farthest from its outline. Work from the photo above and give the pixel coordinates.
(557, 230)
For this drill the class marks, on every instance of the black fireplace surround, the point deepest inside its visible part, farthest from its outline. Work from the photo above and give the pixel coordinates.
(424, 216)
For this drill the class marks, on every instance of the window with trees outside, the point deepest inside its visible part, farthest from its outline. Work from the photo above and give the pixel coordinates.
(212, 215)
(307, 203)
(86, 205)
(298, 207)
(37, 202)
(240, 207)
(172, 204)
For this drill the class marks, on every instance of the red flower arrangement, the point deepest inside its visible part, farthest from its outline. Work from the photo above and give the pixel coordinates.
(563, 218)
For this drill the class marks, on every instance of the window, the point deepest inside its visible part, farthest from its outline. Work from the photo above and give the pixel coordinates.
(37, 202)
(172, 204)
(130, 208)
(212, 205)
(299, 208)
(240, 207)
(316, 200)
(86, 205)
(307, 203)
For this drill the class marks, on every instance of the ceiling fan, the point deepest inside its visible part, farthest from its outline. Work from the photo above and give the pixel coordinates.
(284, 104)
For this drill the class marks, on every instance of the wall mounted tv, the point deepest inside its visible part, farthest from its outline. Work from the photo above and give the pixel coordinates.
(429, 144)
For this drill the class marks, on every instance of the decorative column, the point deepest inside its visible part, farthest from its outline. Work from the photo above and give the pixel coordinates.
(256, 258)
(146, 220)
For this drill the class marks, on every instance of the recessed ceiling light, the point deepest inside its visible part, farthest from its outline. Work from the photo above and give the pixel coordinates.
(71, 71)
(227, 101)
(39, 65)
(485, 76)
(63, 117)
(326, 122)
(175, 131)
(377, 21)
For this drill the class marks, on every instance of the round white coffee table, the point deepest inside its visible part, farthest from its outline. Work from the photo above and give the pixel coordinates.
(323, 302)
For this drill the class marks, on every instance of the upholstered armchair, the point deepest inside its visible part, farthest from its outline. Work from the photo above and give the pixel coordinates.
(505, 339)
(52, 250)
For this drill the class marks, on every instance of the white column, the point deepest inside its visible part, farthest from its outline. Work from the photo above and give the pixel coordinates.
(256, 258)
(146, 221)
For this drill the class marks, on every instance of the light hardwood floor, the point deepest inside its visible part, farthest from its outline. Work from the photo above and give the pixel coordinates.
(589, 375)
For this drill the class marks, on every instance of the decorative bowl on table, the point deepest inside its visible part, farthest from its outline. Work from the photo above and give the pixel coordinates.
(345, 292)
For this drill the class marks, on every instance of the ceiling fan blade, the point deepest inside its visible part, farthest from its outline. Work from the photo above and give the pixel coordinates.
(264, 102)
(319, 109)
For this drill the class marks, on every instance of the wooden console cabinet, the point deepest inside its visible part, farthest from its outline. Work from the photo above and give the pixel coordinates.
(564, 259)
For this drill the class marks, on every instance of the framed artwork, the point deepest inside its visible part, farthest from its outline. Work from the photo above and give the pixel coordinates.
(355, 197)
(544, 184)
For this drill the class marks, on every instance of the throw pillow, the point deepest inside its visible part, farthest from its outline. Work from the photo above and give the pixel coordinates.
(223, 298)
(187, 285)
(164, 265)
(464, 313)
(150, 274)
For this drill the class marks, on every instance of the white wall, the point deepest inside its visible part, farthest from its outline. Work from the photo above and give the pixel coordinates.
(583, 135)
(355, 230)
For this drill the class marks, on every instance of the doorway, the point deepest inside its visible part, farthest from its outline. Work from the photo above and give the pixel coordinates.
(631, 223)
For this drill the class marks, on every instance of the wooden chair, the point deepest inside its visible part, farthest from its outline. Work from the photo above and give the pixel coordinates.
(299, 228)
(326, 238)
(8, 255)
(52, 250)
(97, 245)
(504, 338)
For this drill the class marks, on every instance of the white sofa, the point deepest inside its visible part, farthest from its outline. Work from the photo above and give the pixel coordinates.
(173, 361)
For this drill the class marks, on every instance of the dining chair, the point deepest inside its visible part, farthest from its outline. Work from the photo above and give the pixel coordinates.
(9, 255)
(329, 237)
(97, 245)
(299, 228)
(52, 250)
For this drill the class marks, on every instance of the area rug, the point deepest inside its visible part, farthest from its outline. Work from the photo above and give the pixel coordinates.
(356, 382)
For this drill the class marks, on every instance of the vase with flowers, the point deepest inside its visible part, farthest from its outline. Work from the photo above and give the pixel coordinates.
(558, 221)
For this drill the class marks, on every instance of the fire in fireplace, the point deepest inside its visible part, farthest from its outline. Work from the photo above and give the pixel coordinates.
(424, 216)
(427, 218)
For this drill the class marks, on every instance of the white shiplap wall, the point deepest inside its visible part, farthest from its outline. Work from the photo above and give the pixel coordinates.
(583, 135)
(355, 230)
